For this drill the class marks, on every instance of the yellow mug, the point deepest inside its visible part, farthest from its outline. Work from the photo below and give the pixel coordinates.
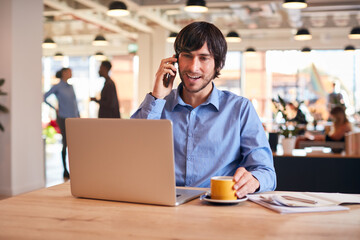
(222, 188)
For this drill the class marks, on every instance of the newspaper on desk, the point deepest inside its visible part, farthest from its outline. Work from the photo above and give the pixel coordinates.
(302, 202)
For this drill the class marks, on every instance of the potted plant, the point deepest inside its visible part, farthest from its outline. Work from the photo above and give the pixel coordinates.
(287, 128)
(2, 107)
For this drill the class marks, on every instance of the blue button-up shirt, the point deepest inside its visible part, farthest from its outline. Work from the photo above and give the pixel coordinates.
(215, 138)
(65, 95)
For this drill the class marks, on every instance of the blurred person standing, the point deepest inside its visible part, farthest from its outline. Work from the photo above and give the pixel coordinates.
(335, 98)
(109, 103)
(68, 108)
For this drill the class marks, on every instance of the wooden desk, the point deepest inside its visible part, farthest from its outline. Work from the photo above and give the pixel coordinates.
(53, 213)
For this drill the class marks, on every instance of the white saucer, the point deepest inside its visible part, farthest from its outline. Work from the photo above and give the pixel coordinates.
(207, 197)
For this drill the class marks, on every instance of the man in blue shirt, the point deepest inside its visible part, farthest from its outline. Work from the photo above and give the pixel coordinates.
(215, 132)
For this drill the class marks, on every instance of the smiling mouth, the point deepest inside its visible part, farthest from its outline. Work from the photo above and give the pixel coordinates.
(193, 77)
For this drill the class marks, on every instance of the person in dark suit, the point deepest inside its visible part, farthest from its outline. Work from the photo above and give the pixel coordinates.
(109, 103)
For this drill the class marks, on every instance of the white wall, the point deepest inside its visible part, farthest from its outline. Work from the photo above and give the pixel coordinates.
(152, 49)
(21, 145)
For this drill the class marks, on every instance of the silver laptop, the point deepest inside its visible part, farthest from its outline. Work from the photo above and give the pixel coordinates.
(124, 160)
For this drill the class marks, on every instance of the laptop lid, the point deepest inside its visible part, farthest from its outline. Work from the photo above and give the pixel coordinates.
(128, 160)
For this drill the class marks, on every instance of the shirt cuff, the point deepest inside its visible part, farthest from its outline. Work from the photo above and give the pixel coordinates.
(266, 182)
(153, 107)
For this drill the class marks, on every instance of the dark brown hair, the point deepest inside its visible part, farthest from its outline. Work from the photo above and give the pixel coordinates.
(106, 64)
(193, 37)
(338, 110)
(60, 72)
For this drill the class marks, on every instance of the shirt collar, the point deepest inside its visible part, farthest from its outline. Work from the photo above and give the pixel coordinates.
(213, 99)
(64, 83)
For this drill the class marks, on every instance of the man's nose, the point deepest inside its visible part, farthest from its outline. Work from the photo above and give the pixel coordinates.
(195, 64)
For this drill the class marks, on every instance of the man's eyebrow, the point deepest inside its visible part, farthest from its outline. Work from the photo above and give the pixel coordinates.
(201, 54)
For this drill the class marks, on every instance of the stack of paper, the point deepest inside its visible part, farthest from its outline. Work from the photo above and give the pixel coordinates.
(298, 202)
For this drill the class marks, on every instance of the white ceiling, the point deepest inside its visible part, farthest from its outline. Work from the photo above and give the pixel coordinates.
(263, 24)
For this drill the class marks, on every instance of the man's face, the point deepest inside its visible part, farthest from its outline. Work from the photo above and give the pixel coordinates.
(197, 69)
(102, 71)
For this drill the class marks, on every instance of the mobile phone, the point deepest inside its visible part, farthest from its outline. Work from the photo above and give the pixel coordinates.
(167, 77)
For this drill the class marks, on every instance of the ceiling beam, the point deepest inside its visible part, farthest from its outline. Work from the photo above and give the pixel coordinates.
(126, 20)
(160, 19)
(62, 6)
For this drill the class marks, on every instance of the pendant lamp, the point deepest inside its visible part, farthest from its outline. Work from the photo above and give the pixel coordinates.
(302, 35)
(197, 6)
(100, 41)
(171, 38)
(58, 56)
(349, 48)
(306, 50)
(294, 4)
(233, 36)
(118, 9)
(250, 50)
(49, 43)
(100, 56)
(355, 33)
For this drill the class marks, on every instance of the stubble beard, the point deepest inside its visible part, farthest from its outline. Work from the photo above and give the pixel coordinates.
(206, 82)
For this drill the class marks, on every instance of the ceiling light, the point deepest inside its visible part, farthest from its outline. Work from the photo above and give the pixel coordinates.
(303, 34)
(197, 6)
(349, 48)
(233, 37)
(171, 38)
(250, 51)
(100, 56)
(306, 50)
(355, 33)
(294, 4)
(58, 56)
(117, 9)
(49, 43)
(100, 41)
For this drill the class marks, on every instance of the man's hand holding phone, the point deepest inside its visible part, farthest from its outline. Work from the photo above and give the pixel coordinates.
(165, 77)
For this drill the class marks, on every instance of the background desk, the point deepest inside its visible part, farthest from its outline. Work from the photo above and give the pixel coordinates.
(318, 172)
(53, 213)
